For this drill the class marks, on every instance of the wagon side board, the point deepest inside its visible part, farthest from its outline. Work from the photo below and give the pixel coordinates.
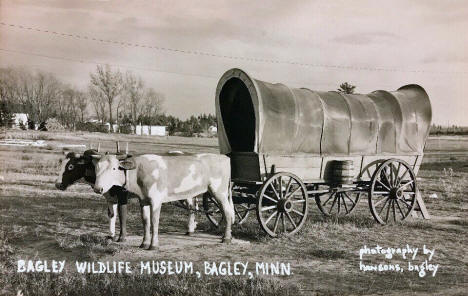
(251, 167)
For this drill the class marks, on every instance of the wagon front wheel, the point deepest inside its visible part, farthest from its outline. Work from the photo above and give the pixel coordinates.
(392, 193)
(282, 204)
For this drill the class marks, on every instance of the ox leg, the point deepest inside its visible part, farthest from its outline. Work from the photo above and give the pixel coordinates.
(192, 224)
(112, 210)
(145, 217)
(155, 212)
(123, 222)
(123, 199)
(228, 211)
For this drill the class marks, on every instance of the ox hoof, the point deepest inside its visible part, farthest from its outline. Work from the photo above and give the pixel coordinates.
(189, 233)
(144, 246)
(153, 248)
(227, 240)
(110, 238)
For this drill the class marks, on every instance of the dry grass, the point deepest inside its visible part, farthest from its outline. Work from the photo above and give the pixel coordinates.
(39, 221)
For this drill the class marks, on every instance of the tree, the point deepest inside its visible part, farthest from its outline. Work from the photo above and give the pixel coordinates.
(153, 107)
(99, 104)
(108, 85)
(346, 88)
(82, 104)
(134, 96)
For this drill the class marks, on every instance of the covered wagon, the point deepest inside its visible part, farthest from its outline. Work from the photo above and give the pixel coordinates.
(289, 144)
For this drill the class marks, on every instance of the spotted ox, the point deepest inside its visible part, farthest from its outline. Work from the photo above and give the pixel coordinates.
(76, 167)
(157, 179)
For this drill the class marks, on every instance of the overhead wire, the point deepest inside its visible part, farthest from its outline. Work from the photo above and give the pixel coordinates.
(209, 54)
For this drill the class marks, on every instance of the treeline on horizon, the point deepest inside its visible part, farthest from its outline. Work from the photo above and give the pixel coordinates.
(111, 97)
(448, 130)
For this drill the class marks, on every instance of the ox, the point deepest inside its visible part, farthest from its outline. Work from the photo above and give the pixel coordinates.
(76, 167)
(157, 179)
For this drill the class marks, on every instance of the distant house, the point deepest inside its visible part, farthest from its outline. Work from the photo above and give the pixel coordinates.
(151, 130)
(20, 118)
(213, 130)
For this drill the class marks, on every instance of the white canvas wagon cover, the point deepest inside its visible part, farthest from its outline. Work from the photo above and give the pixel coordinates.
(261, 117)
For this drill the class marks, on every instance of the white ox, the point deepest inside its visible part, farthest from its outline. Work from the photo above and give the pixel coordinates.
(157, 179)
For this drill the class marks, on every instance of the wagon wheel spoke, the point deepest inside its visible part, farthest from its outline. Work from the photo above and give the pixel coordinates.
(344, 204)
(280, 181)
(380, 201)
(297, 212)
(406, 184)
(292, 193)
(276, 223)
(394, 214)
(330, 197)
(386, 187)
(388, 210)
(399, 208)
(339, 201)
(272, 199)
(298, 201)
(386, 177)
(288, 186)
(282, 222)
(274, 190)
(291, 220)
(397, 174)
(347, 196)
(268, 208)
(383, 207)
(269, 218)
(406, 203)
(333, 203)
(402, 177)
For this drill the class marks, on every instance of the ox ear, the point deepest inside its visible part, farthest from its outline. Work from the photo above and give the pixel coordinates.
(127, 164)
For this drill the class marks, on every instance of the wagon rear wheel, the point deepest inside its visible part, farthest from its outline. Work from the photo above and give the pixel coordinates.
(282, 204)
(392, 192)
(337, 203)
(215, 215)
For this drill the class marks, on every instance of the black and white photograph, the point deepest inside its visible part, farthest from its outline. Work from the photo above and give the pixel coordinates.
(236, 147)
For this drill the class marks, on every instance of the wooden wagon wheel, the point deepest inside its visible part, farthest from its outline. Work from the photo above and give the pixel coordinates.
(338, 203)
(215, 214)
(282, 204)
(392, 192)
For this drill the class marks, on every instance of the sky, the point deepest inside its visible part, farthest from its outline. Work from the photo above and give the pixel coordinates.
(182, 48)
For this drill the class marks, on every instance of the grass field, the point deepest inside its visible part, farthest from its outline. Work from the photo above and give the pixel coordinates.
(39, 222)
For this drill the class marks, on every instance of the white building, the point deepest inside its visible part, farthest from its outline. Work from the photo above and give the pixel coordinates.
(19, 118)
(151, 130)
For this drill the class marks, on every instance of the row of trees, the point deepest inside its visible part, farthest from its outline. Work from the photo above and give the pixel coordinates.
(111, 96)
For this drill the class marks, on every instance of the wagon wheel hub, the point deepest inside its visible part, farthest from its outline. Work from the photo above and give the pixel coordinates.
(396, 193)
(284, 205)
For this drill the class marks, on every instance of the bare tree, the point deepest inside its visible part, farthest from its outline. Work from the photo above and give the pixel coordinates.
(82, 104)
(99, 104)
(346, 88)
(39, 93)
(134, 96)
(108, 85)
(153, 106)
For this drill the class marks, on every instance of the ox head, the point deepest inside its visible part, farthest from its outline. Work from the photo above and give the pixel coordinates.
(72, 168)
(110, 171)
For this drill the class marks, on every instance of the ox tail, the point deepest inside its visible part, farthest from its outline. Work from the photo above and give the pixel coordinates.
(231, 202)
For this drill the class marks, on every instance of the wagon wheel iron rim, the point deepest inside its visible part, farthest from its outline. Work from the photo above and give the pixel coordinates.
(337, 203)
(282, 204)
(215, 214)
(392, 193)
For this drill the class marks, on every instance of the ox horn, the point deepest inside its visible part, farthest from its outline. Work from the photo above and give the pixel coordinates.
(99, 147)
(118, 147)
(126, 149)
